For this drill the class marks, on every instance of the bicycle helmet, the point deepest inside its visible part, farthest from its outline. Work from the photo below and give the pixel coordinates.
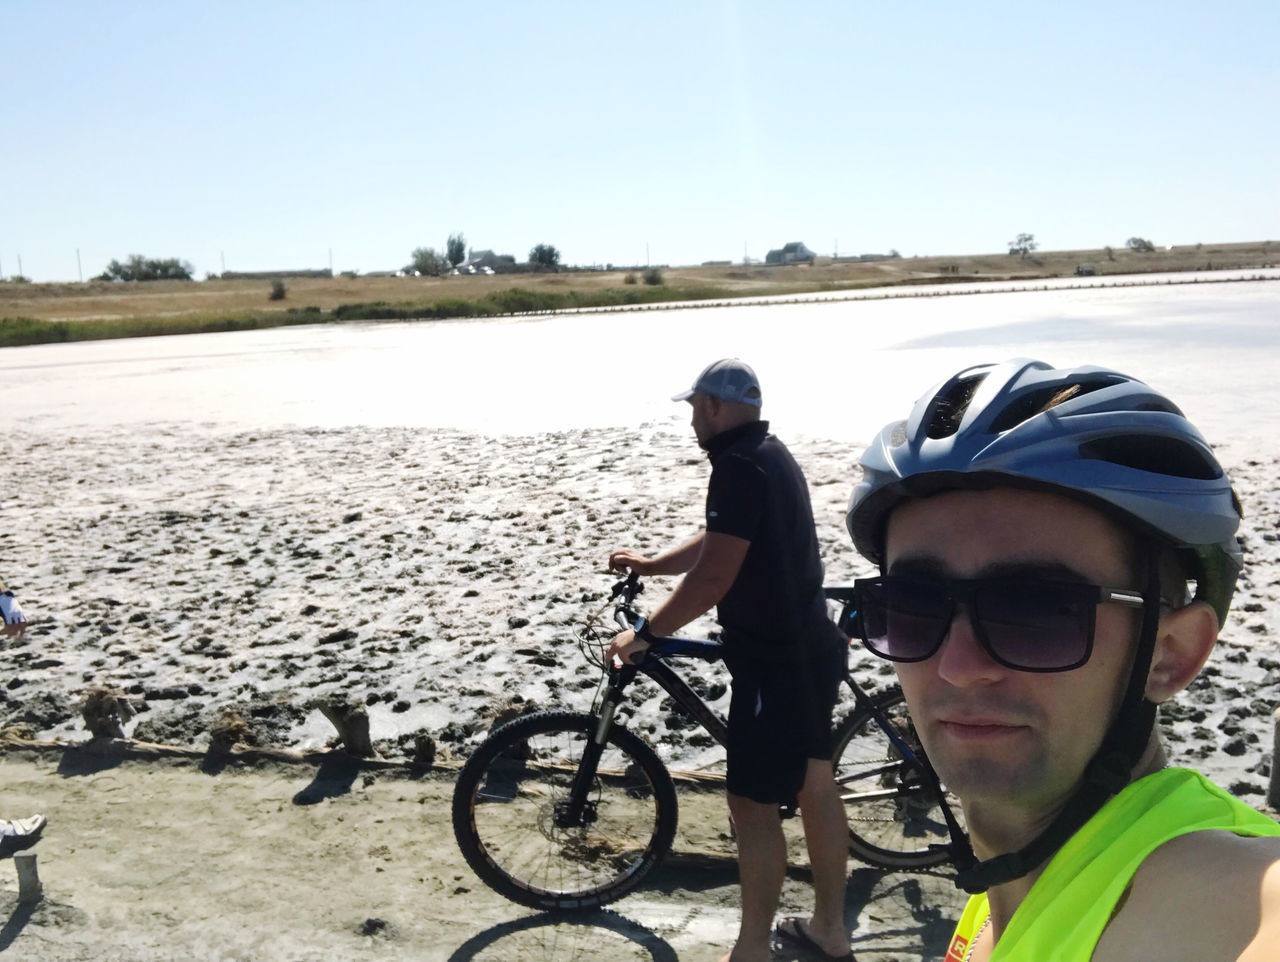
(1087, 433)
(1110, 440)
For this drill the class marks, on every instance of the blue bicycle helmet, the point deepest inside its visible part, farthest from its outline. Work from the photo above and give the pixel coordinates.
(1086, 432)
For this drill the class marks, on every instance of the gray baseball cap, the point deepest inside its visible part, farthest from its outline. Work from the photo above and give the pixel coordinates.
(729, 380)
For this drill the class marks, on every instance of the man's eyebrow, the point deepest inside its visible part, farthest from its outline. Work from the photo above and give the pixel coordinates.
(929, 566)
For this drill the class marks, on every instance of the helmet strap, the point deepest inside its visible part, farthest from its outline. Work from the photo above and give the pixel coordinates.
(1109, 770)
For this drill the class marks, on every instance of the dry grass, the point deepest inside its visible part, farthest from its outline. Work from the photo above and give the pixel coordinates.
(214, 299)
(100, 300)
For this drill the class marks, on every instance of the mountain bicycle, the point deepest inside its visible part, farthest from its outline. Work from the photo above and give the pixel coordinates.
(571, 810)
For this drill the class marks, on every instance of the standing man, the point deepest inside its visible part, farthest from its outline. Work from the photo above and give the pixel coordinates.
(757, 563)
(19, 833)
(1036, 530)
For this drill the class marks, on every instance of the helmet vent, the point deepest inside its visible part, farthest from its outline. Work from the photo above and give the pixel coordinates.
(1167, 456)
(950, 406)
(1037, 402)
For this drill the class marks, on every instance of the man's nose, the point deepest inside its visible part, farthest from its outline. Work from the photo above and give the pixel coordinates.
(962, 659)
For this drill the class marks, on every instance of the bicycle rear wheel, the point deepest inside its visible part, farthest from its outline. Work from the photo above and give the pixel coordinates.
(512, 822)
(894, 816)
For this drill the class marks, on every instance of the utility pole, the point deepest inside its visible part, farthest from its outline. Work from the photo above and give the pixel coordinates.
(79, 269)
(646, 256)
(223, 255)
(20, 274)
(330, 261)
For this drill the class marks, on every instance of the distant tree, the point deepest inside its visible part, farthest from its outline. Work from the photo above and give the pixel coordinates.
(1140, 244)
(1111, 255)
(139, 268)
(456, 249)
(1023, 245)
(277, 290)
(544, 257)
(652, 276)
(894, 253)
(427, 261)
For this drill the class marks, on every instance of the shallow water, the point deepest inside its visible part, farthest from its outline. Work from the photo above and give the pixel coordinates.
(830, 369)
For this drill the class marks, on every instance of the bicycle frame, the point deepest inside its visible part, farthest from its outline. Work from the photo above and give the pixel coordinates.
(655, 667)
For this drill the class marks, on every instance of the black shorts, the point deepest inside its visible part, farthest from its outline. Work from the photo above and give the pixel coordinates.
(780, 717)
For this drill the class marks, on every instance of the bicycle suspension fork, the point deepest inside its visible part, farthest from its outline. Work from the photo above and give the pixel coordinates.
(577, 808)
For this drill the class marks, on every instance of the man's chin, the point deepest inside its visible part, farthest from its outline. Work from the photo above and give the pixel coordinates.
(972, 779)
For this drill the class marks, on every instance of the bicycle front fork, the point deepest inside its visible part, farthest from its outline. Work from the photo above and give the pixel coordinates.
(577, 809)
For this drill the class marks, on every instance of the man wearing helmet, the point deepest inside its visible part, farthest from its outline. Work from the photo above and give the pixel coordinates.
(757, 563)
(1035, 530)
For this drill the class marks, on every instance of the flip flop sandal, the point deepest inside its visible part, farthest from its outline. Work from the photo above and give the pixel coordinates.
(792, 931)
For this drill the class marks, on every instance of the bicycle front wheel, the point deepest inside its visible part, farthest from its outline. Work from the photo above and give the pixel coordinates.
(894, 816)
(519, 832)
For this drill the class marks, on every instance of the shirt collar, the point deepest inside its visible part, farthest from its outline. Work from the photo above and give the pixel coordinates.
(726, 439)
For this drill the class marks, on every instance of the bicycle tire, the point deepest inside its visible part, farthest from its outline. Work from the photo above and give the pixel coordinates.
(894, 817)
(505, 814)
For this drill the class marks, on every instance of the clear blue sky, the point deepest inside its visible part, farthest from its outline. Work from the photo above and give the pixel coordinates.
(270, 133)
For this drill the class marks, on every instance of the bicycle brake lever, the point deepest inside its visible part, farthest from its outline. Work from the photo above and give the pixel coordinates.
(628, 587)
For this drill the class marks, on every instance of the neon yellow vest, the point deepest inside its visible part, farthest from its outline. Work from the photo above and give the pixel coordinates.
(1070, 904)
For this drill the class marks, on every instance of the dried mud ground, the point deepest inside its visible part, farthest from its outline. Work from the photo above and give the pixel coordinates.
(161, 861)
(435, 577)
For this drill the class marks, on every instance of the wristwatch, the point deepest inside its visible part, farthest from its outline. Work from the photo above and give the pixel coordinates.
(641, 628)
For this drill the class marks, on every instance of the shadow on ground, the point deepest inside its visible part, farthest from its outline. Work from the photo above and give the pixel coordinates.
(561, 936)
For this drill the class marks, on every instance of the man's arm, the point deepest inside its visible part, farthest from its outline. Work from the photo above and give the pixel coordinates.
(709, 580)
(1206, 896)
(711, 576)
(677, 561)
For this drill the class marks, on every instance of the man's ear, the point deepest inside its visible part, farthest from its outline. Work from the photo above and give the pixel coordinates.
(1183, 642)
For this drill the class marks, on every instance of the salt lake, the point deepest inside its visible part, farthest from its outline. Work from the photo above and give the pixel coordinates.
(831, 368)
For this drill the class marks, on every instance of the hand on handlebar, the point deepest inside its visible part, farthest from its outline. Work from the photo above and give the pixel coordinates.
(627, 647)
(628, 560)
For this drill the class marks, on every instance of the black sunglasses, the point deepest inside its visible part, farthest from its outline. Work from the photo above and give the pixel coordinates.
(1022, 623)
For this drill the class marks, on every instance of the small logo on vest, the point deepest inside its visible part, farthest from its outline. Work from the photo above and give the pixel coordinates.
(956, 952)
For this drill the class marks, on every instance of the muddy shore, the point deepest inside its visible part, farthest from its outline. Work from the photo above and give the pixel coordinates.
(437, 578)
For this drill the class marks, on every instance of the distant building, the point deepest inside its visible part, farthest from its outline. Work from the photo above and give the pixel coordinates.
(793, 253)
(478, 261)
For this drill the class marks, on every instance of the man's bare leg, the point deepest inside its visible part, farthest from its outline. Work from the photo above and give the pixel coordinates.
(762, 865)
(826, 836)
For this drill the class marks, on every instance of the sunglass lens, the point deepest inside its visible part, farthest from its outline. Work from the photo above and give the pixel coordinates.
(902, 619)
(1037, 626)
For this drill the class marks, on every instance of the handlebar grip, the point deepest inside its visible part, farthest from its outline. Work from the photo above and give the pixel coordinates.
(621, 618)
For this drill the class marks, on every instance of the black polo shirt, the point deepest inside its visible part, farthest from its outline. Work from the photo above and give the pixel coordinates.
(758, 493)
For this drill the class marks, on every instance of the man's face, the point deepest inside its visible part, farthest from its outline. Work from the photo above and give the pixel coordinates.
(702, 418)
(994, 733)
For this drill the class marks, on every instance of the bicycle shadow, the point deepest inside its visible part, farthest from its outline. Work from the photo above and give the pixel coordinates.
(564, 936)
(888, 912)
(893, 911)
